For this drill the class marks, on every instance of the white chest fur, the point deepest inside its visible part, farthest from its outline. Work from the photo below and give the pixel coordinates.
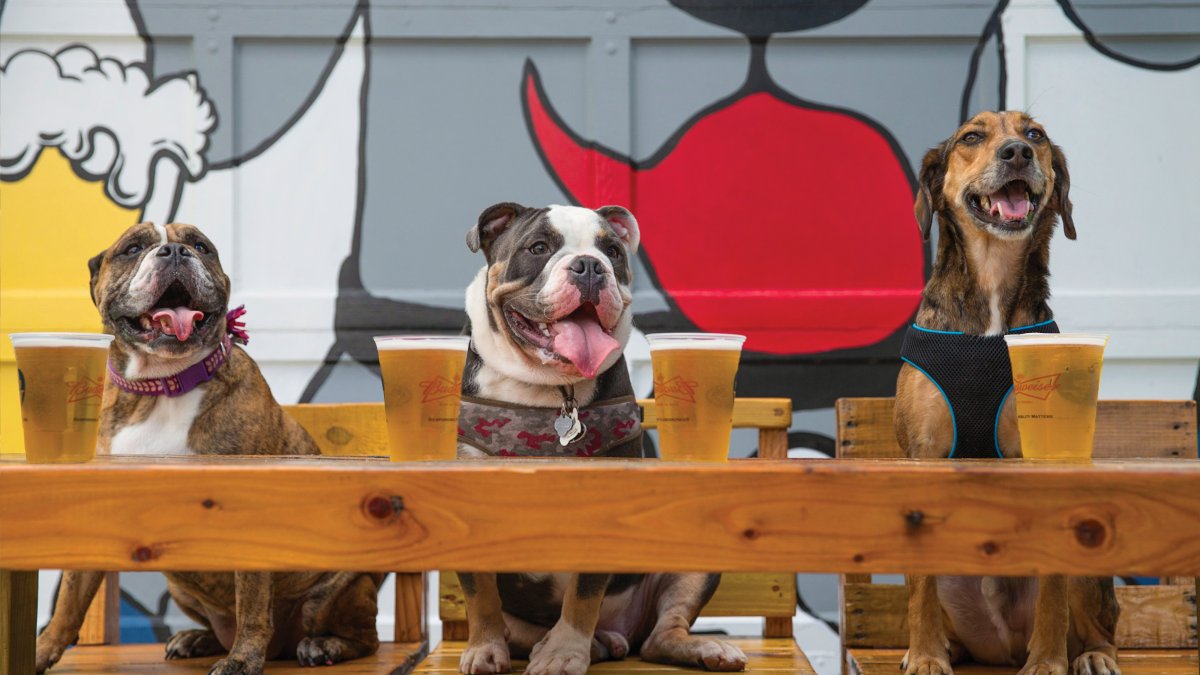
(164, 431)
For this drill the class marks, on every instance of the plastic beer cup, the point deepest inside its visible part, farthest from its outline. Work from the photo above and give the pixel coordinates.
(693, 393)
(61, 380)
(1056, 381)
(422, 392)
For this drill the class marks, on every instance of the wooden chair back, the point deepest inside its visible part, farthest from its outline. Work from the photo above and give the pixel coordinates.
(874, 615)
(360, 430)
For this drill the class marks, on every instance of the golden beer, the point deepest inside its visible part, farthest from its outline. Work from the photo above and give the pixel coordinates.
(1056, 381)
(422, 391)
(61, 380)
(693, 393)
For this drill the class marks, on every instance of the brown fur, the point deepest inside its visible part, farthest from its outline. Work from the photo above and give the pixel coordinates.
(316, 617)
(985, 282)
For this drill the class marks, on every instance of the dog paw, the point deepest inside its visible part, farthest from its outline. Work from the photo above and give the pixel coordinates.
(188, 644)
(1045, 666)
(321, 651)
(485, 658)
(1095, 663)
(564, 651)
(236, 666)
(47, 653)
(609, 646)
(721, 656)
(923, 664)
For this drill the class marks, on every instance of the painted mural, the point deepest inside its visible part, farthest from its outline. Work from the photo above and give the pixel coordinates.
(338, 154)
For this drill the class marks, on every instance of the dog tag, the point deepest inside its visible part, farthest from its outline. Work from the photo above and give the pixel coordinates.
(568, 427)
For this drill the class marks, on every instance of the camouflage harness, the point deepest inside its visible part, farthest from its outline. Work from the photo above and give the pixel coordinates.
(507, 430)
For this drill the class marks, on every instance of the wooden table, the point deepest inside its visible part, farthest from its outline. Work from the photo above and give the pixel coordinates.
(1010, 517)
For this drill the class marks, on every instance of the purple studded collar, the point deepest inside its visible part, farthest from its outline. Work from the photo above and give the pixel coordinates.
(197, 374)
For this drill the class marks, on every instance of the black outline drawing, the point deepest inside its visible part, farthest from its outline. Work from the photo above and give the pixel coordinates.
(1090, 37)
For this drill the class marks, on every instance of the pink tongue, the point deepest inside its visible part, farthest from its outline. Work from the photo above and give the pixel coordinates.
(1010, 203)
(178, 322)
(584, 343)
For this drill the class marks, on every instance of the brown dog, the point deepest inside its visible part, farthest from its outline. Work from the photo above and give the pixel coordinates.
(998, 186)
(162, 292)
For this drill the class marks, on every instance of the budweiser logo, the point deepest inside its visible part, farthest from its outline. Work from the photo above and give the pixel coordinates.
(676, 388)
(439, 388)
(1037, 387)
(82, 390)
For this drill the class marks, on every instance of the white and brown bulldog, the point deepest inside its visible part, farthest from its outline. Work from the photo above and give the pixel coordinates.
(549, 316)
(178, 385)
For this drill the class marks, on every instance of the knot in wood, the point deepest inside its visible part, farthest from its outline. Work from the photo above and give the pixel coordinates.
(383, 507)
(914, 518)
(990, 548)
(1091, 533)
(144, 554)
(208, 503)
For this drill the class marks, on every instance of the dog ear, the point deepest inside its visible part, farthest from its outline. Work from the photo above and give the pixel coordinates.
(623, 223)
(1062, 186)
(929, 188)
(492, 223)
(94, 269)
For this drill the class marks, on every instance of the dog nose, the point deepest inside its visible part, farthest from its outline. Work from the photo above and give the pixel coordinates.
(588, 274)
(173, 251)
(1015, 153)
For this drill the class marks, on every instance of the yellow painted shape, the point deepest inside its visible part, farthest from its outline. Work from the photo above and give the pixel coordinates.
(51, 223)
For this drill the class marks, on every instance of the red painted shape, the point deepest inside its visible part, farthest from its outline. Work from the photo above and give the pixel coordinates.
(790, 225)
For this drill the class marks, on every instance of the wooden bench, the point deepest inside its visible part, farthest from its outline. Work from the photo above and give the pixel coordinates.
(359, 430)
(1157, 630)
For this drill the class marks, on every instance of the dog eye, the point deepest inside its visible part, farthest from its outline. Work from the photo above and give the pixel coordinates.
(201, 248)
(971, 138)
(539, 248)
(132, 249)
(613, 251)
(1034, 134)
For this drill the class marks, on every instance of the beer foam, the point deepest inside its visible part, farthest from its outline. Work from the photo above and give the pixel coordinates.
(93, 340)
(398, 342)
(1038, 339)
(712, 341)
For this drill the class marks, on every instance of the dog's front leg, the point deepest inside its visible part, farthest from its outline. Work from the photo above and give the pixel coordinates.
(1051, 619)
(678, 604)
(487, 639)
(567, 648)
(1094, 613)
(75, 593)
(254, 625)
(928, 648)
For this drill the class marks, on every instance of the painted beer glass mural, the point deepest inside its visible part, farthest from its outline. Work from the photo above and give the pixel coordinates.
(336, 154)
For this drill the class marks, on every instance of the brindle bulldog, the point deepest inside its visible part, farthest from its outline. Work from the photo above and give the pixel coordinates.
(178, 385)
(549, 317)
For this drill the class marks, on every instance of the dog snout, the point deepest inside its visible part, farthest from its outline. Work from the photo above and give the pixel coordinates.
(1016, 154)
(588, 274)
(175, 251)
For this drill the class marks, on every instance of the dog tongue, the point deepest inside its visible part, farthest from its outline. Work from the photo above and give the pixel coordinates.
(178, 322)
(1010, 202)
(585, 344)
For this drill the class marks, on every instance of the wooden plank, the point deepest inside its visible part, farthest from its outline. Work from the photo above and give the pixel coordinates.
(1158, 617)
(1132, 662)
(928, 517)
(777, 626)
(740, 594)
(761, 413)
(770, 655)
(360, 429)
(18, 620)
(1123, 429)
(344, 429)
(772, 443)
(102, 623)
(410, 607)
(392, 657)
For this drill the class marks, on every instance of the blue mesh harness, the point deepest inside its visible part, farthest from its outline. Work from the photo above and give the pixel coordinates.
(975, 378)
